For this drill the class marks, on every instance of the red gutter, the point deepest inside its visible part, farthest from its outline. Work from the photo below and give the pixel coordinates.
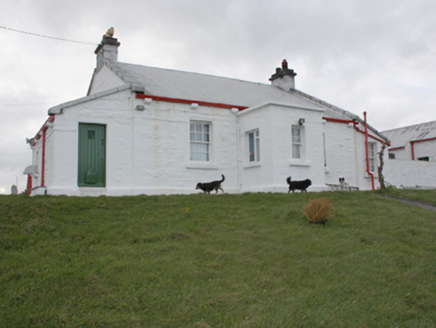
(396, 148)
(29, 184)
(412, 143)
(413, 150)
(32, 142)
(366, 150)
(44, 133)
(186, 101)
(371, 136)
(38, 135)
(355, 123)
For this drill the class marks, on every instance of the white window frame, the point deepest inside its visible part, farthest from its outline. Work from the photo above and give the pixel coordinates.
(253, 142)
(372, 156)
(200, 141)
(298, 144)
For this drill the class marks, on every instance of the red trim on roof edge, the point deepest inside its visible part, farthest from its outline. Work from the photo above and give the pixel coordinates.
(186, 101)
(337, 120)
(413, 142)
(371, 136)
(422, 140)
(396, 148)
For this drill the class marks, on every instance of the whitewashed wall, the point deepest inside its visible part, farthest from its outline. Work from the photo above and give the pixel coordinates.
(275, 128)
(420, 149)
(403, 153)
(343, 156)
(104, 80)
(410, 174)
(162, 148)
(425, 149)
(146, 151)
(346, 155)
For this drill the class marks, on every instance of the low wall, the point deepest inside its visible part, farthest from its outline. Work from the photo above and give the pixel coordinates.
(410, 174)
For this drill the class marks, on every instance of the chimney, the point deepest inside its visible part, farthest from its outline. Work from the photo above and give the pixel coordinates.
(107, 50)
(284, 78)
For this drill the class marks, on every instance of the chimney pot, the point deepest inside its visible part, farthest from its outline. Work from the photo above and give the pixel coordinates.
(284, 77)
(107, 51)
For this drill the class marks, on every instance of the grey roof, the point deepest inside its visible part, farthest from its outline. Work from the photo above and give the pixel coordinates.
(209, 88)
(402, 136)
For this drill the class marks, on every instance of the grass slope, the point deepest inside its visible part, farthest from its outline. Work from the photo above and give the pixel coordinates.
(248, 260)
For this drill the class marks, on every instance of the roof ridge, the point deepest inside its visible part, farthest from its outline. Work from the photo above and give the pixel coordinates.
(412, 125)
(196, 73)
(326, 104)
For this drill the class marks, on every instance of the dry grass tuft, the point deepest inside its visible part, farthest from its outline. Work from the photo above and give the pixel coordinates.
(317, 210)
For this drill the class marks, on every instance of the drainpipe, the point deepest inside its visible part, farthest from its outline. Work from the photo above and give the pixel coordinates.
(366, 150)
(29, 184)
(413, 150)
(44, 133)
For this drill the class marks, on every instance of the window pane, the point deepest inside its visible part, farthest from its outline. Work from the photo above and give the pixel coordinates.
(296, 153)
(371, 150)
(192, 157)
(257, 147)
(371, 165)
(251, 147)
(296, 135)
(371, 156)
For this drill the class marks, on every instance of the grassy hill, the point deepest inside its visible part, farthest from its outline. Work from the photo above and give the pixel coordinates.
(247, 260)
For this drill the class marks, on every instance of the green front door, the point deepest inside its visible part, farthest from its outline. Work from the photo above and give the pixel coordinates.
(92, 155)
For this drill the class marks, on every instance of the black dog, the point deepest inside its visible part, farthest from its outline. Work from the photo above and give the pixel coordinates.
(207, 187)
(298, 185)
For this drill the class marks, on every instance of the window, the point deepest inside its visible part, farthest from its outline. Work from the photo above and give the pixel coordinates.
(253, 146)
(297, 142)
(200, 141)
(391, 155)
(371, 156)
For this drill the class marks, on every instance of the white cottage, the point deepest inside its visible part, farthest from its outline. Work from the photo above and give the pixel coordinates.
(147, 130)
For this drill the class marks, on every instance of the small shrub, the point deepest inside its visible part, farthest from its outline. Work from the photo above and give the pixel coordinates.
(317, 210)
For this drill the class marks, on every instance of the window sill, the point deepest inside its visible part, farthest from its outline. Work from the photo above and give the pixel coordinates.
(202, 165)
(300, 163)
(250, 165)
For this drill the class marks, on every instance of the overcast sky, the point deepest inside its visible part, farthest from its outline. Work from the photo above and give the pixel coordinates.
(377, 56)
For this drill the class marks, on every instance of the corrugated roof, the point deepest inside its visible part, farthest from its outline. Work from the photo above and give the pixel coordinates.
(402, 136)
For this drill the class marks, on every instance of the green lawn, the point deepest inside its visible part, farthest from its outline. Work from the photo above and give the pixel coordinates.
(247, 260)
